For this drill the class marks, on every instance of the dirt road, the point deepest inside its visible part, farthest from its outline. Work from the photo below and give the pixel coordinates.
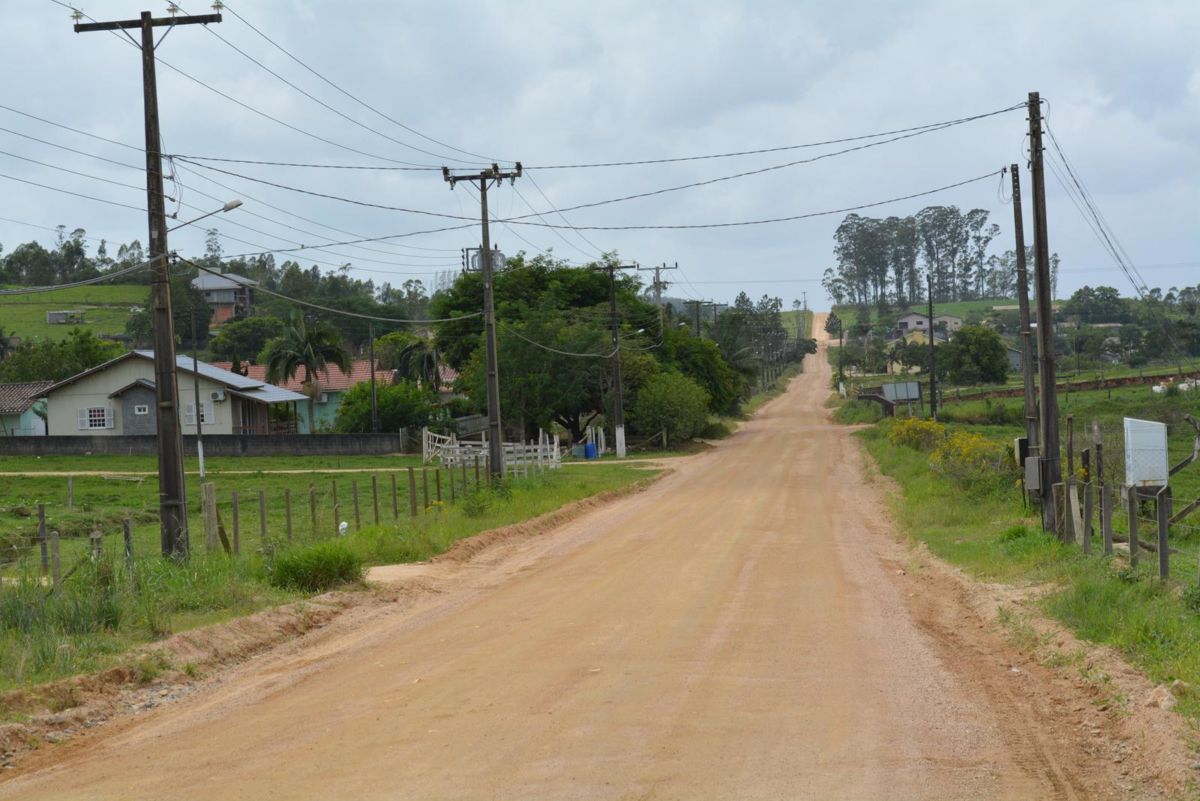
(739, 630)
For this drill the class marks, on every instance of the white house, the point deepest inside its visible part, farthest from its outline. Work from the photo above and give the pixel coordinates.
(118, 398)
(230, 295)
(920, 322)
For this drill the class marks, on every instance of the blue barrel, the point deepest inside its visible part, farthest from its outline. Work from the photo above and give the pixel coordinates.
(589, 451)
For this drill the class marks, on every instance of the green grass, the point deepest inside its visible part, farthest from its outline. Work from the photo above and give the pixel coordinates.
(990, 534)
(106, 310)
(849, 314)
(100, 463)
(788, 319)
(106, 606)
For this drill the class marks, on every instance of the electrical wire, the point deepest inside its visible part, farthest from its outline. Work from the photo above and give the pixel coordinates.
(69, 128)
(322, 103)
(72, 172)
(519, 335)
(69, 192)
(34, 290)
(329, 309)
(361, 102)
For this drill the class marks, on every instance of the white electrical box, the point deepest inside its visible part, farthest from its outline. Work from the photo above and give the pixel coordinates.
(1145, 453)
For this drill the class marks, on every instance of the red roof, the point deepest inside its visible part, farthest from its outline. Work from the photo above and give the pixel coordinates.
(331, 379)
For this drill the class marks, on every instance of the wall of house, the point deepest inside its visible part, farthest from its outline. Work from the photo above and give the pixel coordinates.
(325, 413)
(132, 422)
(28, 424)
(63, 406)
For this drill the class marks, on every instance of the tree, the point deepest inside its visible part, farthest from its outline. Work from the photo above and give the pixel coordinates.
(419, 360)
(400, 405)
(6, 345)
(309, 345)
(244, 340)
(672, 403)
(975, 355)
(49, 360)
(1100, 305)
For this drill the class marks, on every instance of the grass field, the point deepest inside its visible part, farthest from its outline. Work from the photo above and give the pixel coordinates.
(789, 322)
(1155, 624)
(957, 308)
(99, 463)
(107, 606)
(106, 309)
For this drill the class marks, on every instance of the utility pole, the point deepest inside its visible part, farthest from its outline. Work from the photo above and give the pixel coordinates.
(374, 397)
(932, 353)
(618, 400)
(659, 285)
(172, 493)
(495, 432)
(1048, 453)
(1031, 418)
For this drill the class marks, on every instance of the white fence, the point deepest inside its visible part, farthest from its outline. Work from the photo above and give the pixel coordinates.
(520, 458)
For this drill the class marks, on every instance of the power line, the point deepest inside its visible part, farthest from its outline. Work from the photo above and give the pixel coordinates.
(75, 194)
(322, 103)
(69, 128)
(519, 335)
(356, 99)
(72, 172)
(563, 217)
(33, 290)
(329, 309)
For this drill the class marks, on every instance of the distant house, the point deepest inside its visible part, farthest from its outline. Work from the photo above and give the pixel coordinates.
(19, 407)
(1016, 359)
(920, 322)
(331, 386)
(229, 295)
(118, 398)
(921, 337)
(66, 317)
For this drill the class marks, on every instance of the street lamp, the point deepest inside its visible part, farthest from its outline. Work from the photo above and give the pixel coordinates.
(198, 409)
(229, 206)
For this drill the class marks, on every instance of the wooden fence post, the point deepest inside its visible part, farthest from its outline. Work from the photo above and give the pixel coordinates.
(1163, 507)
(375, 496)
(450, 479)
(464, 476)
(477, 471)
(42, 542)
(425, 486)
(1087, 517)
(70, 492)
(1133, 527)
(1106, 515)
(127, 533)
(354, 495)
(287, 509)
(337, 511)
(96, 544)
(312, 510)
(208, 511)
(412, 493)
(262, 518)
(237, 525)
(395, 502)
(55, 565)
(437, 479)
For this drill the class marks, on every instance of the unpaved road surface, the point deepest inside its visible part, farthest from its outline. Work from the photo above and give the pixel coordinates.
(741, 630)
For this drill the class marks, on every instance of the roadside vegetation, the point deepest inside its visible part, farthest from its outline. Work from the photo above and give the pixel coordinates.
(960, 493)
(107, 604)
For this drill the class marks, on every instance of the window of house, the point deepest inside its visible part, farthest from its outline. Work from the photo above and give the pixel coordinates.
(95, 417)
(141, 409)
(206, 413)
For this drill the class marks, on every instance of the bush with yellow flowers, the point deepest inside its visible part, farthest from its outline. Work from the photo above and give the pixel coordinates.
(973, 461)
(913, 432)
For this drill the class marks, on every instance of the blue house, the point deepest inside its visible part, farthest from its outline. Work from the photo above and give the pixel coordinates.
(20, 405)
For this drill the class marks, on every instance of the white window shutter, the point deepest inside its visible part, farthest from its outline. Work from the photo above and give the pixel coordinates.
(83, 419)
(189, 414)
(109, 421)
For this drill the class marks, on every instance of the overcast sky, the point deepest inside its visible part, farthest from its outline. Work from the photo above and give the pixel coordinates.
(569, 82)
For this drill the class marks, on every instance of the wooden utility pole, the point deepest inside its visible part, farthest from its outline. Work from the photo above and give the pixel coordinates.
(659, 285)
(618, 400)
(172, 493)
(1031, 418)
(932, 353)
(495, 432)
(1048, 452)
(374, 397)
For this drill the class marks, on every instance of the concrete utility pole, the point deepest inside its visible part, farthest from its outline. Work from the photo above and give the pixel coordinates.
(172, 492)
(932, 354)
(1049, 454)
(618, 400)
(495, 432)
(659, 285)
(196, 390)
(1031, 415)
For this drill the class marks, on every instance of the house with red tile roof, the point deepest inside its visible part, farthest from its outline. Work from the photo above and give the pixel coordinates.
(330, 386)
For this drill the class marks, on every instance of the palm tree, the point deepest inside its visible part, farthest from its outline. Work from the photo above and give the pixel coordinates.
(5, 344)
(421, 360)
(311, 346)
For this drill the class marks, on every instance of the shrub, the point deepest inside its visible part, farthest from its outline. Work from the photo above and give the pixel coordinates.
(913, 432)
(476, 502)
(316, 568)
(671, 402)
(973, 461)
